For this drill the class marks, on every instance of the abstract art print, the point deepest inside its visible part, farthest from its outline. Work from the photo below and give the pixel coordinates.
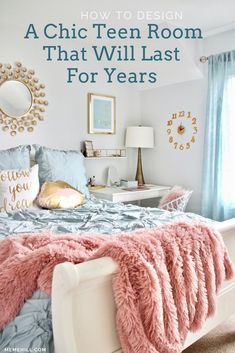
(101, 114)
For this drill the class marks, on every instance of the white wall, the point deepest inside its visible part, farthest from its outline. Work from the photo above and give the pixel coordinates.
(163, 164)
(219, 43)
(65, 124)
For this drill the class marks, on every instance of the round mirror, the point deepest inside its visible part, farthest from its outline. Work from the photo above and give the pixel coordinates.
(15, 98)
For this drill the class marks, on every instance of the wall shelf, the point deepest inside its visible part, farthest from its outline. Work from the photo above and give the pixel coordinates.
(103, 153)
(108, 157)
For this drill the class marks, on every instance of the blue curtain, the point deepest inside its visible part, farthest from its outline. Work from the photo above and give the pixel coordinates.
(218, 192)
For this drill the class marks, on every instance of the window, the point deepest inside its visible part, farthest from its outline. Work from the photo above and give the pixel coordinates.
(228, 148)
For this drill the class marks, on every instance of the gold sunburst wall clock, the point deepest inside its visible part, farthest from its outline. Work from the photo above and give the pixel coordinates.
(182, 130)
(22, 99)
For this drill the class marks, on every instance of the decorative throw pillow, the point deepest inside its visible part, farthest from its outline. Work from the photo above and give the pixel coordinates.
(62, 165)
(174, 193)
(15, 158)
(18, 188)
(59, 194)
(176, 199)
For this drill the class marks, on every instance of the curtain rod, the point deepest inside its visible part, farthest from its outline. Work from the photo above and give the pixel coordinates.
(203, 59)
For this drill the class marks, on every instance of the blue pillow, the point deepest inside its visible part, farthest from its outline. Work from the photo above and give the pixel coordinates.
(15, 158)
(67, 166)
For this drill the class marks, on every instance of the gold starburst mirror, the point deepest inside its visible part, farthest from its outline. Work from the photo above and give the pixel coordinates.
(22, 99)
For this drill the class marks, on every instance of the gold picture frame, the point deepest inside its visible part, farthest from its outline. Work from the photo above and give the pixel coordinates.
(101, 114)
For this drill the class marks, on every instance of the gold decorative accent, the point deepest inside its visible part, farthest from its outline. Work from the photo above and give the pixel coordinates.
(181, 129)
(185, 125)
(139, 171)
(33, 116)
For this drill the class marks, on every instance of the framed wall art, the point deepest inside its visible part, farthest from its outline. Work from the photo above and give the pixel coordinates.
(101, 114)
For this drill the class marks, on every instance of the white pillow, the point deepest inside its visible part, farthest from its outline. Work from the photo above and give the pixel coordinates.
(18, 188)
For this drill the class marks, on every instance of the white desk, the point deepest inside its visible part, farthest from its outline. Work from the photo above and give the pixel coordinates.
(119, 194)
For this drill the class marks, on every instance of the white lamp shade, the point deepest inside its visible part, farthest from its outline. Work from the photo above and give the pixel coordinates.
(140, 136)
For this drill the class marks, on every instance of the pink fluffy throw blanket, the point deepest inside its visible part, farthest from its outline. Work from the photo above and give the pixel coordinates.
(166, 284)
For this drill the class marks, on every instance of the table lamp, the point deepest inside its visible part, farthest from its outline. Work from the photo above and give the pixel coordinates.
(139, 137)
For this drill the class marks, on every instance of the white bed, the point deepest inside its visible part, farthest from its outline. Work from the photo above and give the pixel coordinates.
(83, 308)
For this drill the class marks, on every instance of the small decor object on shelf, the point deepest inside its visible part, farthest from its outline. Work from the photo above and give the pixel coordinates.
(123, 152)
(22, 99)
(182, 130)
(88, 149)
(114, 153)
(97, 153)
(101, 114)
(118, 152)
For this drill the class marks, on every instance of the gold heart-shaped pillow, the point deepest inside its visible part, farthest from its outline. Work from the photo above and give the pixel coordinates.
(59, 194)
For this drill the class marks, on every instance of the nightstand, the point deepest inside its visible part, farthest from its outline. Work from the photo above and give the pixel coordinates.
(122, 194)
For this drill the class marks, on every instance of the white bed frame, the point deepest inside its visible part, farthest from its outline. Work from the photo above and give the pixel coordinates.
(83, 307)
